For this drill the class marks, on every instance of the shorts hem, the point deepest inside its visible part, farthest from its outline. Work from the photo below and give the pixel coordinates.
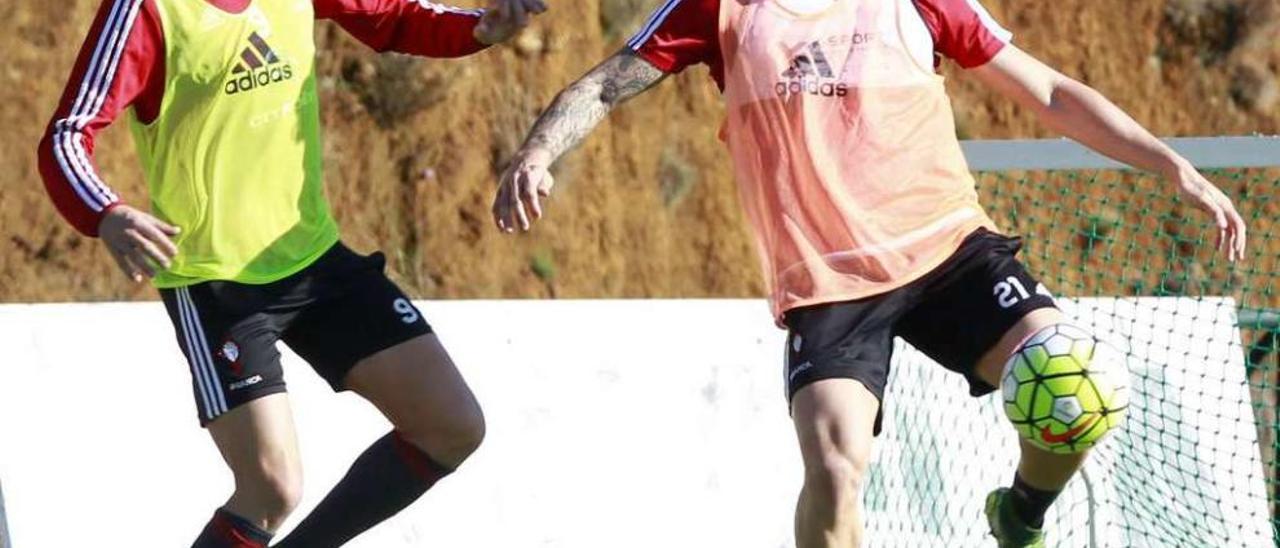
(978, 387)
(338, 378)
(244, 398)
(845, 372)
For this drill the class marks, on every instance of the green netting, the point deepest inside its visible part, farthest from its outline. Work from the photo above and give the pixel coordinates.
(1196, 464)
(1126, 234)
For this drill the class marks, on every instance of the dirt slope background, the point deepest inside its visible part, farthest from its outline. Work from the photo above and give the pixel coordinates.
(646, 208)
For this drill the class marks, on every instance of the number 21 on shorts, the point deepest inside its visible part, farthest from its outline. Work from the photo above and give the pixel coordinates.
(1011, 291)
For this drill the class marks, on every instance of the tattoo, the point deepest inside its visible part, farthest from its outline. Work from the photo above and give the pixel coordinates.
(581, 106)
(628, 76)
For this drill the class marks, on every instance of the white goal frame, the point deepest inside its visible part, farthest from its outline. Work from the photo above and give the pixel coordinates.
(1063, 154)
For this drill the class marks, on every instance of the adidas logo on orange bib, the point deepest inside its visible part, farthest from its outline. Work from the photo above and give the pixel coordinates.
(810, 72)
(259, 66)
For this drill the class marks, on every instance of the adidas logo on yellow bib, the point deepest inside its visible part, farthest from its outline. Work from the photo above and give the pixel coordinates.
(259, 66)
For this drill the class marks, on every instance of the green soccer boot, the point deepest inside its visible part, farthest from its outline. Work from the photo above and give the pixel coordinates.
(1007, 527)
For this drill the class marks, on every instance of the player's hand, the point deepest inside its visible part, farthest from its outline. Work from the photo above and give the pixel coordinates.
(1206, 196)
(526, 181)
(137, 241)
(504, 18)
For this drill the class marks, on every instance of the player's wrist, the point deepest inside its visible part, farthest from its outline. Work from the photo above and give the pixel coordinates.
(492, 28)
(534, 155)
(481, 32)
(109, 214)
(1173, 166)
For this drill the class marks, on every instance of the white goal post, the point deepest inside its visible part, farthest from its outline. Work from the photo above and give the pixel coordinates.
(4, 523)
(1064, 154)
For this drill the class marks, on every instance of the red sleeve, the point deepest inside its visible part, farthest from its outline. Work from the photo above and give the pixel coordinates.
(963, 31)
(682, 33)
(415, 27)
(121, 65)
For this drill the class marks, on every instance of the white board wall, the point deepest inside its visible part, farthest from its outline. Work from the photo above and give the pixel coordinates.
(611, 423)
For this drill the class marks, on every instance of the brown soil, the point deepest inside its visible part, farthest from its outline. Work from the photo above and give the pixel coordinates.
(647, 207)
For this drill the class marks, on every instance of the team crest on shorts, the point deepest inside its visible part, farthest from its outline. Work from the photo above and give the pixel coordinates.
(230, 351)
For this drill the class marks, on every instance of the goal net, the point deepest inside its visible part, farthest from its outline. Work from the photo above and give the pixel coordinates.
(1196, 462)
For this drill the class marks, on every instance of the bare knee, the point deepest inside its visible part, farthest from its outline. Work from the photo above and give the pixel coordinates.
(269, 491)
(835, 481)
(449, 440)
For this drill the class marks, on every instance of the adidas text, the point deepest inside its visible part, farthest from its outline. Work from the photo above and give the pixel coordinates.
(823, 89)
(252, 80)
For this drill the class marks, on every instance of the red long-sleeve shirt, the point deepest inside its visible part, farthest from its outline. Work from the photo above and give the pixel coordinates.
(122, 65)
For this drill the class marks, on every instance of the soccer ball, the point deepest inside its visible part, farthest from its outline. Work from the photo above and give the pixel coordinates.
(1064, 390)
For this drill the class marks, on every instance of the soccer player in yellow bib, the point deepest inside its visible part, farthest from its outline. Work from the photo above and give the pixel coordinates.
(240, 242)
(866, 217)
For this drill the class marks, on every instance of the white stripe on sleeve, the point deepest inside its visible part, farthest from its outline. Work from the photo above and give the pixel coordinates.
(95, 201)
(990, 22)
(103, 87)
(75, 143)
(105, 40)
(652, 25)
(441, 8)
(98, 78)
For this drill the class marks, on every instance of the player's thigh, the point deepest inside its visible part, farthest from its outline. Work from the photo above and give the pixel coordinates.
(972, 316)
(420, 390)
(850, 340)
(990, 367)
(366, 336)
(356, 313)
(259, 442)
(835, 423)
(231, 353)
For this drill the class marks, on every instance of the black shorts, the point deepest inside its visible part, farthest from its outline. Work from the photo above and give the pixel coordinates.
(334, 313)
(954, 314)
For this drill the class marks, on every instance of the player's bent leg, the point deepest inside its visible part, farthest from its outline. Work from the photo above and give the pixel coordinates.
(419, 389)
(835, 421)
(991, 365)
(438, 424)
(1041, 469)
(258, 442)
(1017, 513)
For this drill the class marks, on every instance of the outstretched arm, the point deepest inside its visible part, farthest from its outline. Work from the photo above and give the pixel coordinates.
(425, 28)
(574, 113)
(1081, 113)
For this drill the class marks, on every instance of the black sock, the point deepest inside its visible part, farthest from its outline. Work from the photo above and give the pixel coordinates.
(227, 530)
(384, 480)
(1030, 503)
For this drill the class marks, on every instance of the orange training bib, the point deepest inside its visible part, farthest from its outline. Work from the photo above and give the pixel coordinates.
(844, 148)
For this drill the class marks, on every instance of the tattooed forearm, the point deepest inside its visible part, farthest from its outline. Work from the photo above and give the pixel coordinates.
(626, 75)
(581, 106)
(568, 120)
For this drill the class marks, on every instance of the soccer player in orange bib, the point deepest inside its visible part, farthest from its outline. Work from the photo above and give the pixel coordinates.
(241, 244)
(866, 218)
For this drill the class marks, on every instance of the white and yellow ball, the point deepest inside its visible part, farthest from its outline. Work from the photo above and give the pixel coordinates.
(1064, 390)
